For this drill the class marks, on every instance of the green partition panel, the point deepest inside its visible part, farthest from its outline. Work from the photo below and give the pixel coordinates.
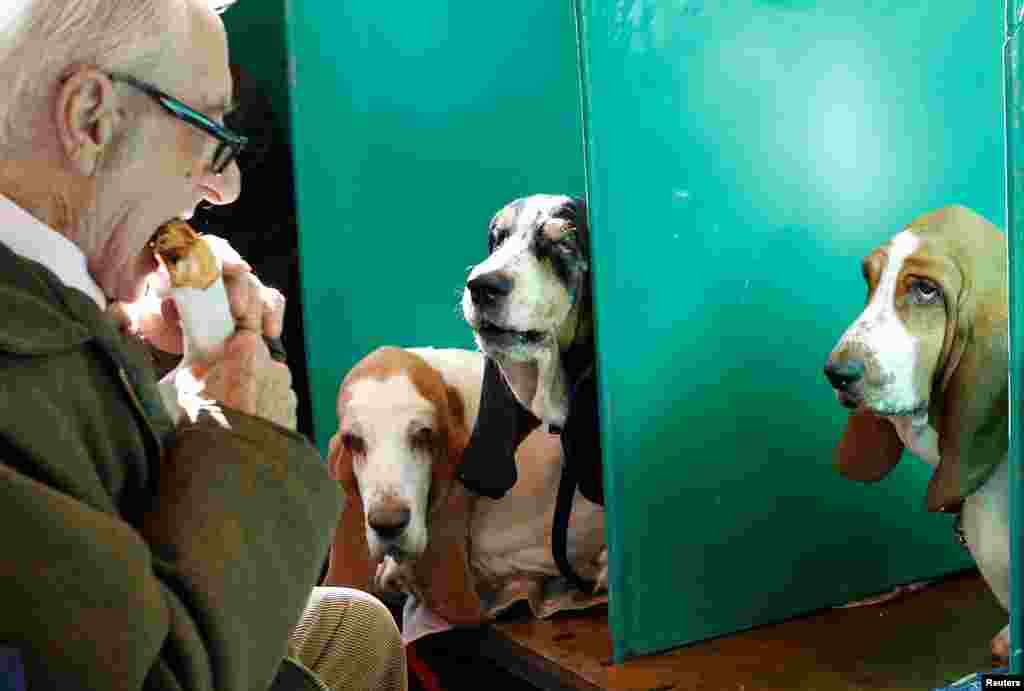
(1013, 107)
(412, 126)
(742, 157)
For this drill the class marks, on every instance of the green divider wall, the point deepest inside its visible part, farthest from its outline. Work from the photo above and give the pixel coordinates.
(1015, 236)
(412, 126)
(742, 157)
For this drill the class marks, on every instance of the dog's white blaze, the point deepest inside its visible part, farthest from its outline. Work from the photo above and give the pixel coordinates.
(393, 470)
(506, 257)
(883, 337)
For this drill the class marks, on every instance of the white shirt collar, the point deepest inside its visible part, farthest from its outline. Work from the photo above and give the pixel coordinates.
(25, 235)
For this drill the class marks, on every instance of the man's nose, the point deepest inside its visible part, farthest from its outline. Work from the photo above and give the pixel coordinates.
(224, 187)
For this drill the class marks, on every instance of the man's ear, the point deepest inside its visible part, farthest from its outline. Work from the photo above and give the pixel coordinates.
(869, 448)
(488, 464)
(86, 116)
(349, 564)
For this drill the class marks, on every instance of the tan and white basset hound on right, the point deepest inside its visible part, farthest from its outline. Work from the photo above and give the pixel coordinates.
(410, 526)
(924, 367)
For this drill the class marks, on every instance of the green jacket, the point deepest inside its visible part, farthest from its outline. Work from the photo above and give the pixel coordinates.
(136, 555)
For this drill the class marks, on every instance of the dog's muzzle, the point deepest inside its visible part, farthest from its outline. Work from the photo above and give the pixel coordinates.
(387, 526)
(488, 293)
(489, 290)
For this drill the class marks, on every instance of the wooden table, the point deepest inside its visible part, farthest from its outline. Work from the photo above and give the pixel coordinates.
(915, 643)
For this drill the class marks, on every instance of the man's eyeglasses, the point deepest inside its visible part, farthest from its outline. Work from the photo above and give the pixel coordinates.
(229, 144)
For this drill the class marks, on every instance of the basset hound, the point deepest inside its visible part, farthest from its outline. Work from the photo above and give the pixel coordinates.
(924, 367)
(409, 526)
(529, 305)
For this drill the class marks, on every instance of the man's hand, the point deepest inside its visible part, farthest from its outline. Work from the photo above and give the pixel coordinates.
(242, 375)
(156, 319)
(247, 379)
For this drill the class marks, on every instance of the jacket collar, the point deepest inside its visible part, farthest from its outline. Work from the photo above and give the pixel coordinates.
(38, 318)
(29, 237)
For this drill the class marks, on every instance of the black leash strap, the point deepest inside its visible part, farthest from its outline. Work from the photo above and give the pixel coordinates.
(576, 439)
(560, 531)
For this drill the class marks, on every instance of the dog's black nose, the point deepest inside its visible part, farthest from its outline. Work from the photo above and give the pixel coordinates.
(487, 288)
(842, 373)
(388, 522)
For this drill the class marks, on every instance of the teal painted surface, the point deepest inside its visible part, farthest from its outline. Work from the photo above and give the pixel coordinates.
(411, 129)
(1015, 237)
(742, 157)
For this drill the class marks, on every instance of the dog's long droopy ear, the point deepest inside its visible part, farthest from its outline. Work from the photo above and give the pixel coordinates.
(973, 413)
(975, 418)
(458, 431)
(869, 448)
(488, 464)
(349, 564)
(444, 566)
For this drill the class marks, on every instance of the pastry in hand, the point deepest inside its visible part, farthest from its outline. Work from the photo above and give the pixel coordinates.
(187, 257)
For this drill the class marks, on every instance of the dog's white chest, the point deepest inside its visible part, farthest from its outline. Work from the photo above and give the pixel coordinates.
(918, 436)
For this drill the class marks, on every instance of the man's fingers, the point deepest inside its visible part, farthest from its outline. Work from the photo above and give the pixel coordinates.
(273, 312)
(246, 379)
(231, 261)
(244, 298)
(255, 306)
(235, 268)
(169, 310)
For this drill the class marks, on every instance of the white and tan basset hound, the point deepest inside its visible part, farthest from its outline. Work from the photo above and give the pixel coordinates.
(924, 367)
(408, 525)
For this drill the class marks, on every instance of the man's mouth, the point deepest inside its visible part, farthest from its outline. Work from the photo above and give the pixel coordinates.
(491, 332)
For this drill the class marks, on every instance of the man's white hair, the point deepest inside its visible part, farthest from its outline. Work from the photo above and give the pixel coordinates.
(41, 40)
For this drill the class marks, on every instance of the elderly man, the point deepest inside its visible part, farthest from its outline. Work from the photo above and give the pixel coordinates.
(140, 552)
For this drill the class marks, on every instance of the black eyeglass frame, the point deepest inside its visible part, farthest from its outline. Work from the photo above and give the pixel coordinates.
(229, 144)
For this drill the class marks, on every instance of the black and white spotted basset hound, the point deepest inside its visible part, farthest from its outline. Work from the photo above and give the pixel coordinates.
(529, 304)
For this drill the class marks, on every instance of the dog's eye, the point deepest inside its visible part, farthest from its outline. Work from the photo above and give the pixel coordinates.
(353, 443)
(925, 292)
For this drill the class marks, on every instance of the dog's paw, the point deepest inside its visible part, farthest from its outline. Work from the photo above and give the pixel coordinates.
(601, 584)
(1001, 644)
